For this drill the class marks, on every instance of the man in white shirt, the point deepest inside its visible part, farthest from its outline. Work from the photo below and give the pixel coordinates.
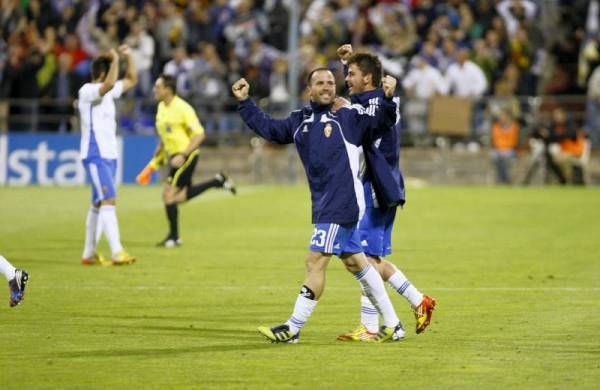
(181, 67)
(424, 81)
(142, 49)
(465, 78)
(99, 152)
(421, 83)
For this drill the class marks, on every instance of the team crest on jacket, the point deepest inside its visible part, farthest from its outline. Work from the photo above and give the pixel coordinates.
(327, 130)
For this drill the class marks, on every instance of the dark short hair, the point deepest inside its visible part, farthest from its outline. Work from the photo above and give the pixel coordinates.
(319, 69)
(169, 82)
(99, 65)
(368, 64)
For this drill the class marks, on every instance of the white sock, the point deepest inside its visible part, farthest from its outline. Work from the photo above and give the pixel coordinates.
(373, 288)
(399, 283)
(110, 226)
(7, 269)
(368, 315)
(91, 238)
(98, 230)
(302, 311)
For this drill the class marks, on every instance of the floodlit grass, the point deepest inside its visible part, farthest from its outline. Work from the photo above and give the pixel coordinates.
(516, 273)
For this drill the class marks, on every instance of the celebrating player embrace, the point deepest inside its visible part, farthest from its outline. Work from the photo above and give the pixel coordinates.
(329, 145)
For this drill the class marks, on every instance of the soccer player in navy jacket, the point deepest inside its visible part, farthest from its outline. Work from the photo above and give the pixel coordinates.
(329, 145)
(363, 77)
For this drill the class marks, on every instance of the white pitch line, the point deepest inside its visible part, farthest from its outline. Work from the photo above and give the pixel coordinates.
(231, 288)
(508, 289)
(481, 289)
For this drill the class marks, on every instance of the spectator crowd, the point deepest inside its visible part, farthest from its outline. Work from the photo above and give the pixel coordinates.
(468, 48)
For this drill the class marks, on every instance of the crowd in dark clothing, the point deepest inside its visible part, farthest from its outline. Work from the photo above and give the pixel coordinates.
(47, 46)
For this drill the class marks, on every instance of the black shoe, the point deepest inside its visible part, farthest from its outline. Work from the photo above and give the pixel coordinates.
(17, 287)
(226, 182)
(170, 242)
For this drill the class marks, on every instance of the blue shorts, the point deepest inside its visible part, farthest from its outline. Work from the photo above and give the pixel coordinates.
(335, 239)
(102, 174)
(375, 229)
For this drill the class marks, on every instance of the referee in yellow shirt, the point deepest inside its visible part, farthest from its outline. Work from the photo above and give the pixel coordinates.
(180, 134)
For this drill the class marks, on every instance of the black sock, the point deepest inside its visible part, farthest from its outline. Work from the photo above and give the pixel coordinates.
(196, 190)
(172, 214)
(306, 292)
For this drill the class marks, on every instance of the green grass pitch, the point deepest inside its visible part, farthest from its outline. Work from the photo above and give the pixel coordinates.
(516, 272)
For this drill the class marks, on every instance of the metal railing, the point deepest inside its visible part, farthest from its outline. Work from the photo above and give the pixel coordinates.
(223, 124)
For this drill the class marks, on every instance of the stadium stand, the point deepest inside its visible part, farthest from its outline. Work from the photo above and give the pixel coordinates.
(534, 56)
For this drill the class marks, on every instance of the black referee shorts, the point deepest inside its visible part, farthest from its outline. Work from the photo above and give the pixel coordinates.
(182, 176)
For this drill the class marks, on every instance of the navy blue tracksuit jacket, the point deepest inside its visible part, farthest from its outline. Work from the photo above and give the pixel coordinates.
(330, 147)
(383, 179)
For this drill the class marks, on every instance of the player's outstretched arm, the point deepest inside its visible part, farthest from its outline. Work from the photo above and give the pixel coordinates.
(113, 73)
(275, 130)
(131, 77)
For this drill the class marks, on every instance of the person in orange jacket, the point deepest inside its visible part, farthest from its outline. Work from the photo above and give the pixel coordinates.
(505, 139)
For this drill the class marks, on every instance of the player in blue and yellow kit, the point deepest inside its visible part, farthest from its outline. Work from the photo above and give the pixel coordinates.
(180, 134)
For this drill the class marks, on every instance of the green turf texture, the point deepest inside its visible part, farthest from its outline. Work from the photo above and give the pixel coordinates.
(516, 272)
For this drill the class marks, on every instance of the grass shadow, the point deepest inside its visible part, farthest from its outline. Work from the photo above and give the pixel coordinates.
(158, 352)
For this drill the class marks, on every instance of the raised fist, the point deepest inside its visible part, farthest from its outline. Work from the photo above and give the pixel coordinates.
(389, 85)
(344, 52)
(240, 89)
